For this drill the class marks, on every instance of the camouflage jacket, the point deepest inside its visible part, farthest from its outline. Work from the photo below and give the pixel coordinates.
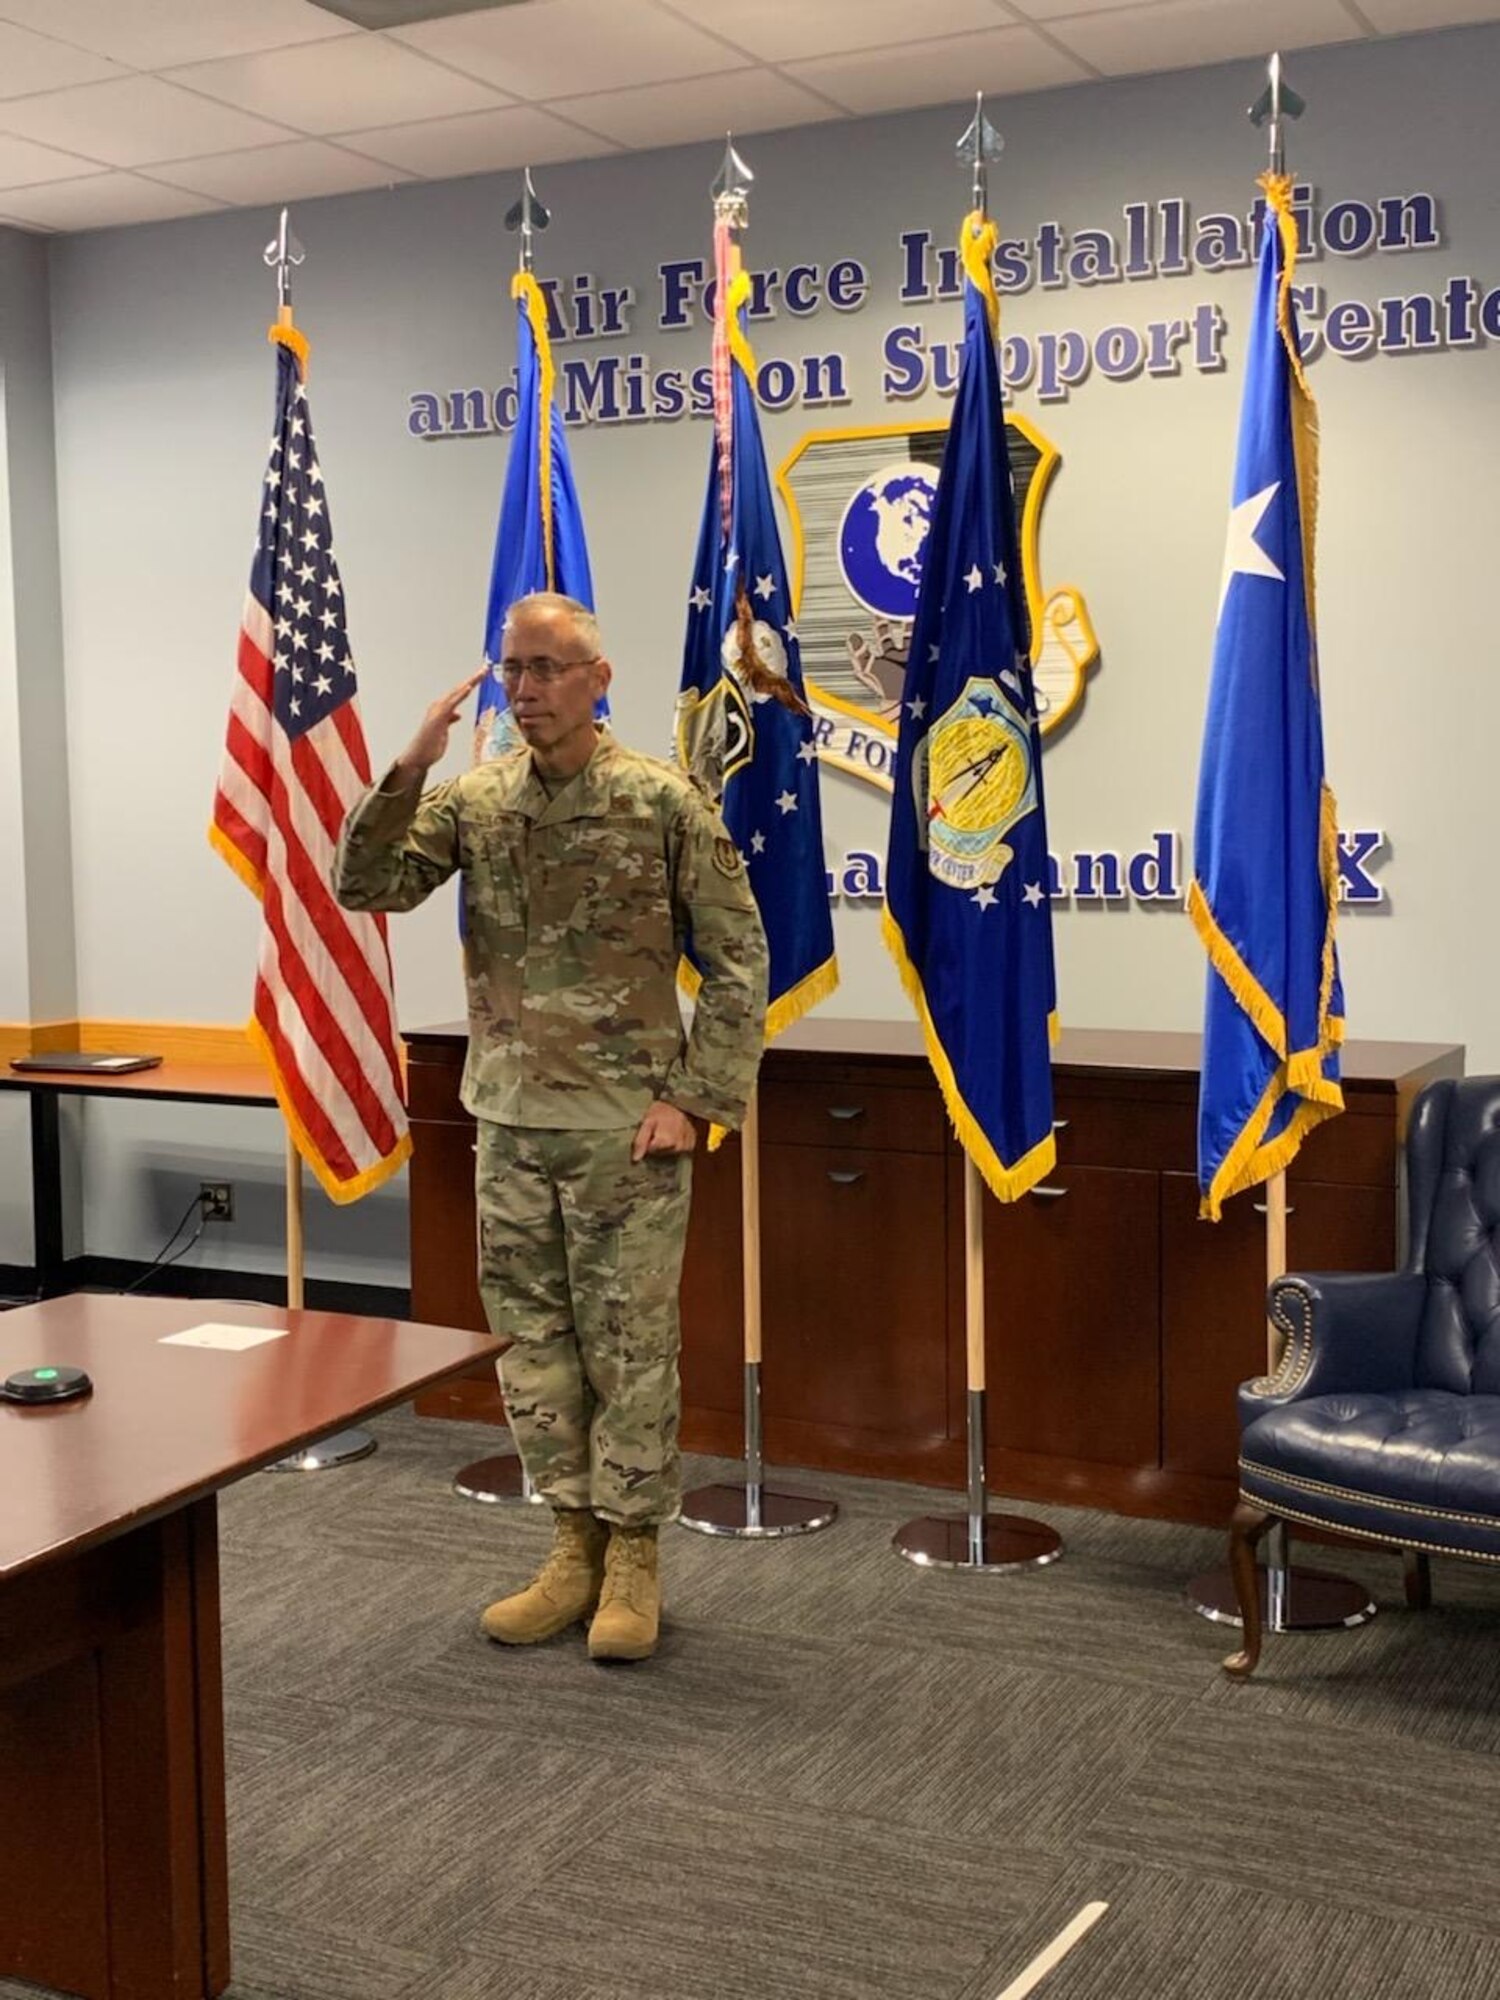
(578, 908)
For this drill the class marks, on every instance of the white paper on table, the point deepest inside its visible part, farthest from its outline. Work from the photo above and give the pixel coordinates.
(231, 1339)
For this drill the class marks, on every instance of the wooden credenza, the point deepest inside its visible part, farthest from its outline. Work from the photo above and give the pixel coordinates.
(1119, 1325)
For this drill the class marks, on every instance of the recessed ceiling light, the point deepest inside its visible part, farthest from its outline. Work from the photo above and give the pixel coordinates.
(401, 13)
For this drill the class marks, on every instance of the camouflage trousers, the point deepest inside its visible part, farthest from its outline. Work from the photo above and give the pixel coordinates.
(580, 1258)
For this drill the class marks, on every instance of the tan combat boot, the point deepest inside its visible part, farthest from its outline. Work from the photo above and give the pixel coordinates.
(565, 1588)
(625, 1625)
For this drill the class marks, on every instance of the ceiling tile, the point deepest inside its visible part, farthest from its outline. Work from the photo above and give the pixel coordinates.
(133, 121)
(359, 79)
(1052, 10)
(1000, 62)
(299, 170)
(101, 201)
(34, 62)
(569, 46)
(774, 32)
(24, 164)
(153, 34)
(1394, 17)
(481, 142)
(1178, 34)
(672, 114)
(402, 13)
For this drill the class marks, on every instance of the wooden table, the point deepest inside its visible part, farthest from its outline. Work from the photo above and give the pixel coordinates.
(113, 1873)
(174, 1079)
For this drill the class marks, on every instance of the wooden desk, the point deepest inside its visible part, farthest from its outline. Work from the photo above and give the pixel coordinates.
(187, 1082)
(1119, 1325)
(113, 1871)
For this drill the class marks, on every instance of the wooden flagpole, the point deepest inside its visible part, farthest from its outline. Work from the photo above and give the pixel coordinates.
(976, 1539)
(750, 1224)
(974, 1277)
(974, 1351)
(282, 254)
(295, 1258)
(755, 1462)
(1278, 1555)
(1275, 1258)
(752, 1509)
(746, 1509)
(342, 1446)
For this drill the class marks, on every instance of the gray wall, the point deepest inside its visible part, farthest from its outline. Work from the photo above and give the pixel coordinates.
(163, 389)
(38, 973)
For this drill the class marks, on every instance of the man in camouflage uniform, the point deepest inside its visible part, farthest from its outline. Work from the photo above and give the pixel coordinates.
(586, 868)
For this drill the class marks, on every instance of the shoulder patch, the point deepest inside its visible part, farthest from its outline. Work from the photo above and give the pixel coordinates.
(727, 857)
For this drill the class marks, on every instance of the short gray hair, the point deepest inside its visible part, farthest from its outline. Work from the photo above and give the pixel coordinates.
(584, 623)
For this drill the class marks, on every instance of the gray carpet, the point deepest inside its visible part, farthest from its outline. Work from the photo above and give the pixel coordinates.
(842, 1779)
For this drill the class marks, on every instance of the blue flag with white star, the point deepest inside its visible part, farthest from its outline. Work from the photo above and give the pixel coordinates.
(967, 915)
(539, 541)
(743, 723)
(1265, 849)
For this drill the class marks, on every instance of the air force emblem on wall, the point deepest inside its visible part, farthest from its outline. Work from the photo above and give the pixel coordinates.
(860, 505)
(883, 534)
(974, 779)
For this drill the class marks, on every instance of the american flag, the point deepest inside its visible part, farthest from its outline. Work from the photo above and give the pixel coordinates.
(294, 762)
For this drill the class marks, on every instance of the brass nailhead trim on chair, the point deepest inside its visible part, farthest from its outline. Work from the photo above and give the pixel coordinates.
(1364, 1534)
(1368, 1499)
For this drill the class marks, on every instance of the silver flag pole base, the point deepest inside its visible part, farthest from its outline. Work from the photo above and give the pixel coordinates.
(978, 1540)
(1313, 1600)
(339, 1448)
(754, 1512)
(497, 1480)
(1292, 1599)
(987, 1543)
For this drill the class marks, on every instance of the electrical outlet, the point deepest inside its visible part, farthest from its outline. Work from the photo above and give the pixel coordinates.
(216, 1199)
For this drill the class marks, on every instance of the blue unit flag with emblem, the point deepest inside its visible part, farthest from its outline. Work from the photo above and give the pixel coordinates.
(967, 916)
(539, 543)
(1265, 863)
(744, 729)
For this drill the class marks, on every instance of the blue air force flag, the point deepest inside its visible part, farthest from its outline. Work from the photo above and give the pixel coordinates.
(539, 543)
(743, 725)
(1266, 843)
(967, 915)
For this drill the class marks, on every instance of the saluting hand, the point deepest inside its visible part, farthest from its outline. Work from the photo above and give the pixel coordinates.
(430, 744)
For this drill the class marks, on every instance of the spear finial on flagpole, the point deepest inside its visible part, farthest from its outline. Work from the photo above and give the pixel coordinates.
(980, 144)
(281, 254)
(527, 215)
(1277, 101)
(731, 187)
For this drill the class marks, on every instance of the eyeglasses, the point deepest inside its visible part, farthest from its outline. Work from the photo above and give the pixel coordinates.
(544, 672)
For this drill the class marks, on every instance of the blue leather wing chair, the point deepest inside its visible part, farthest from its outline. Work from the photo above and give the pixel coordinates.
(1383, 1419)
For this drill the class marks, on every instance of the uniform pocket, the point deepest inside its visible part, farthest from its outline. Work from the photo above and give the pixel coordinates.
(615, 873)
(495, 845)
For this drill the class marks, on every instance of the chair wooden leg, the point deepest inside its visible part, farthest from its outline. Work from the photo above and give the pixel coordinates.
(1417, 1568)
(1246, 1527)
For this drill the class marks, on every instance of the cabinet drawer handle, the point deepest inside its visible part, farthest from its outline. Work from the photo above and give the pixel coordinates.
(1260, 1209)
(844, 1112)
(1060, 1124)
(1049, 1193)
(845, 1179)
